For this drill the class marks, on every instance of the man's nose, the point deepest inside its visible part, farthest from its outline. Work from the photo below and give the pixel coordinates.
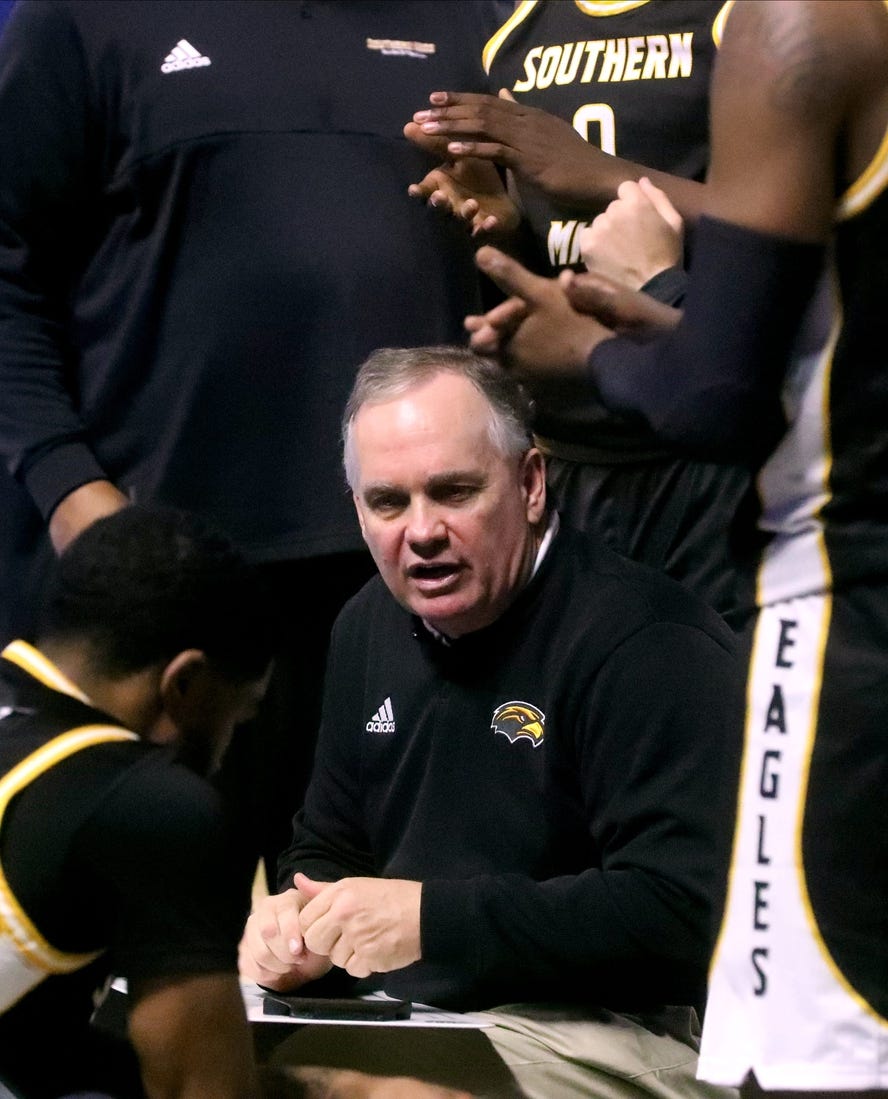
(426, 529)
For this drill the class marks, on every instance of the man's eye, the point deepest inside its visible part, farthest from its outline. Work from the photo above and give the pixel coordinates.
(456, 494)
(386, 505)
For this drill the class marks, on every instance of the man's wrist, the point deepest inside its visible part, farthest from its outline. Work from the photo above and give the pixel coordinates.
(57, 472)
(81, 508)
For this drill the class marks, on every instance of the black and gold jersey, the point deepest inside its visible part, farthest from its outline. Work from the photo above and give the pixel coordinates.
(631, 76)
(113, 859)
(809, 831)
(30, 748)
(824, 491)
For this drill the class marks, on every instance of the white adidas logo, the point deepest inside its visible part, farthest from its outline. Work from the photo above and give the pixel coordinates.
(184, 56)
(383, 721)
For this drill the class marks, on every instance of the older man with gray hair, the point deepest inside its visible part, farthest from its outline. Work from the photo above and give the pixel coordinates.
(514, 807)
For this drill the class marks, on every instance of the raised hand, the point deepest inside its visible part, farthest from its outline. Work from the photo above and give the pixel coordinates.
(536, 331)
(537, 146)
(470, 190)
(639, 235)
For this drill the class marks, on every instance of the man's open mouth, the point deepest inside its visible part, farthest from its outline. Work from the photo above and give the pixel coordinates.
(431, 573)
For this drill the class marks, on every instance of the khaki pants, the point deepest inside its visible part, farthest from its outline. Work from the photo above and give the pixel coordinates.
(558, 1052)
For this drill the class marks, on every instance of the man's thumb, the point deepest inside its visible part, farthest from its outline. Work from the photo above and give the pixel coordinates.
(506, 272)
(307, 887)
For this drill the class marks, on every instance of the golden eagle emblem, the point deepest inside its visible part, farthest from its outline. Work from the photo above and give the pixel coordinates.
(519, 719)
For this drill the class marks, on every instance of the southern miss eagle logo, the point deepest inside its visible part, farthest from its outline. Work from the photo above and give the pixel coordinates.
(517, 720)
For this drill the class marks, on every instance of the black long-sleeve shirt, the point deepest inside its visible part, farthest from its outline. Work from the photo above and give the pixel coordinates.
(578, 860)
(196, 255)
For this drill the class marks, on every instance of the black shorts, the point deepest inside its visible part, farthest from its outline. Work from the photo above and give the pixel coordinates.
(799, 986)
(692, 520)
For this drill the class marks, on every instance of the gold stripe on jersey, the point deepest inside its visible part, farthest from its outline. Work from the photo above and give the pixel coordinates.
(608, 7)
(14, 923)
(36, 664)
(868, 185)
(718, 26)
(738, 810)
(515, 19)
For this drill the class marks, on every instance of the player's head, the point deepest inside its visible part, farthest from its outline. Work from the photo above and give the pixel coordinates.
(449, 489)
(154, 590)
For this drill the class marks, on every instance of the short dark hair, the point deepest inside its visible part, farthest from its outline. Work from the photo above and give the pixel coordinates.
(392, 371)
(146, 583)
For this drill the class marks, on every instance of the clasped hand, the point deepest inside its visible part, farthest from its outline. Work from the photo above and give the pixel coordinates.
(362, 925)
(549, 327)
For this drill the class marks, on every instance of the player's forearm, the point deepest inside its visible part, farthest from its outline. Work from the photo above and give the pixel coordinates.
(592, 180)
(712, 387)
(192, 1038)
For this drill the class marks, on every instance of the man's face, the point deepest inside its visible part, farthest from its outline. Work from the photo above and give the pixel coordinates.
(449, 520)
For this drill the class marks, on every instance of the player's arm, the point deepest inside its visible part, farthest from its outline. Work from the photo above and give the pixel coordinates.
(155, 852)
(758, 255)
(774, 136)
(542, 149)
(192, 1038)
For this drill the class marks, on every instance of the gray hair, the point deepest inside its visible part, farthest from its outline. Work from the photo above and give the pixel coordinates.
(392, 371)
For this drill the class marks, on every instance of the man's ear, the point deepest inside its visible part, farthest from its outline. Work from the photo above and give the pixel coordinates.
(181, 684)
(533, 482)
